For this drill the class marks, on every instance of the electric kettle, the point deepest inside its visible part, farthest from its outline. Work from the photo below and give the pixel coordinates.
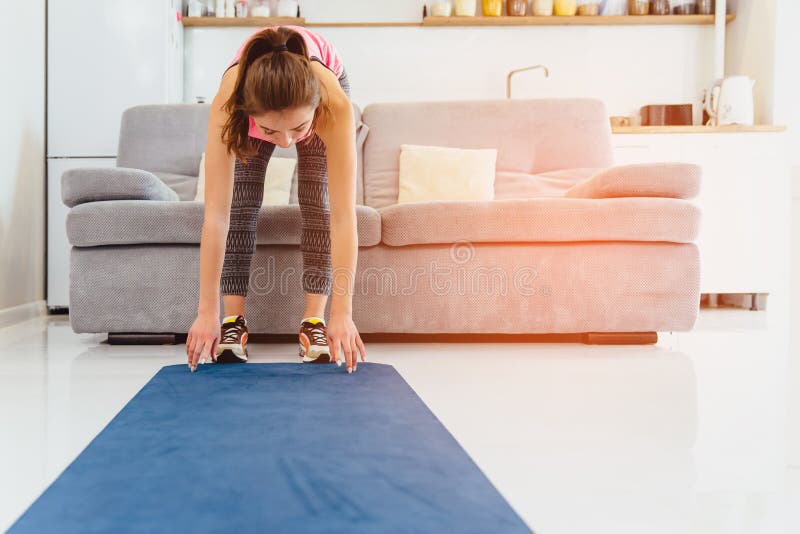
(730, 101)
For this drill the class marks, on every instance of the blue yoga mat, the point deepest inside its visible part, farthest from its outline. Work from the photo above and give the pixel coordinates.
(278, 447)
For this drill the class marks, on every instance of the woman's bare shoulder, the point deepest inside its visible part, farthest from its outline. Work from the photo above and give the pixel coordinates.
(227, 84)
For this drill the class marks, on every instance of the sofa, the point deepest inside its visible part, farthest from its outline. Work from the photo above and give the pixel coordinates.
(556, 251)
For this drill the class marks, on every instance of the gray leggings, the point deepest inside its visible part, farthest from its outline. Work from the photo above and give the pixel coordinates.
(312, 196)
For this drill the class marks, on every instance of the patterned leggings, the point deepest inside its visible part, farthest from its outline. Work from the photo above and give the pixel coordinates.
(312, 196)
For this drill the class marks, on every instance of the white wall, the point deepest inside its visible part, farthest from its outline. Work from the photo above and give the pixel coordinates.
(22, 137)
(626, 66)
(750, 50)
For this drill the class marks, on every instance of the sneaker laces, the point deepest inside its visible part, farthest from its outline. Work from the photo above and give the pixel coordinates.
(232, 333)
(318, 334)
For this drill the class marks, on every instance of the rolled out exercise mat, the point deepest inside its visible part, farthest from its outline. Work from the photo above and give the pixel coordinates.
(272, 447)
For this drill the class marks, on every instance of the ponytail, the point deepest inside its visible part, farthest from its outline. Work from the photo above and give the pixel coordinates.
(274, 74)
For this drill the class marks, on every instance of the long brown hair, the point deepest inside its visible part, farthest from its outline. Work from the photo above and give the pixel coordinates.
(270, 81)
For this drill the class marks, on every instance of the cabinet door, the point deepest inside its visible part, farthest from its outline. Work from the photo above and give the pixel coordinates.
(744, 221)
(57, 244)
(645, 148)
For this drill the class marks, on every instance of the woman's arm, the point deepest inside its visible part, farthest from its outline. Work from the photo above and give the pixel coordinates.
(218, 193)
(204, 334)
(339, 138)
(338, 134)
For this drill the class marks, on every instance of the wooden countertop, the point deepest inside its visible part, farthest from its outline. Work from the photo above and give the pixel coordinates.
(696, 129)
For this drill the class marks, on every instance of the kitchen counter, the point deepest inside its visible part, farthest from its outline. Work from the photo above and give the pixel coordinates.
(733, 128)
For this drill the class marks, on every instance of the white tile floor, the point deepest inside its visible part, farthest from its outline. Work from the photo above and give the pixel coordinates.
(698, 434)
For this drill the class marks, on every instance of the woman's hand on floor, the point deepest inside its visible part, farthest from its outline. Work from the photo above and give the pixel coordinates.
(342, 331)
(202, 339)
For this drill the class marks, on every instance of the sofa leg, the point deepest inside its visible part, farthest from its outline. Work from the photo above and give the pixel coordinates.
(140, 339)
(619, 338)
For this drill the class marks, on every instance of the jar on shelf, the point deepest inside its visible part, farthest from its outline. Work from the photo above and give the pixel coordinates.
(465, 8)
(260, 8)
(492, 8)
(241, 8)
(440, 8)
(542, 8)
(659, 7)
(195, 8)
(590, 8)
(565, 8)
(705, 7)
(683, 7)
(288, 8)
(638, 7)
(614, 8)
(517, 8)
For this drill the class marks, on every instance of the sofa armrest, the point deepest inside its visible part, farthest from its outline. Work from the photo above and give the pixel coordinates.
(90, 184)
(668, 180)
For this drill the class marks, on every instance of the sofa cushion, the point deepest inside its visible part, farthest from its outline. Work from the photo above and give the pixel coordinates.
(540, 220)
(89, 184)
(670, 180)
(185, 185)
(445, 173)
(123, 222)
(510, 185)
(532, 136)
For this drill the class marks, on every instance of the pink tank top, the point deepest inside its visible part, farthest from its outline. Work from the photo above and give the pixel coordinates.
(318, 50)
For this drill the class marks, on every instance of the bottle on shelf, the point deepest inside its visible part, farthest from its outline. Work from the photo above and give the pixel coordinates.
(517, 8)
(241, 8)
(492, 8)
(288, 8)
(260, 8)
(683, 7)
(638, 7)
(614, 8)
(705, 7)
(440, 8)
(542, 8)
(659, 7)
(565, 8)
(465, 8)
(589, 8)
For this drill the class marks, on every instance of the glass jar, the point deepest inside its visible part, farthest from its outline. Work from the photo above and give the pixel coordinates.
(542, 8)
(588, 8)
(287, 8)
(565, 8)
(517, 8)
(440, 8)
(614, 8)
(683, 7)
(705, 7)
(492, 8)
(465, 8)
(260, 8)
(659, 7)
(638, 7)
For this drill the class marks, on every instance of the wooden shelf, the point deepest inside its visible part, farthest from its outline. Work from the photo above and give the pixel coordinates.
(461, 21)
(572, 21)
(242, 21)
(733, 128)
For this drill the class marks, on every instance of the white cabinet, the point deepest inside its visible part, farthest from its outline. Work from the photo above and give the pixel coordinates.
(745, 199)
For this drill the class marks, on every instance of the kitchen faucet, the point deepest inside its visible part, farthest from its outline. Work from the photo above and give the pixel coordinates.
(510, 74)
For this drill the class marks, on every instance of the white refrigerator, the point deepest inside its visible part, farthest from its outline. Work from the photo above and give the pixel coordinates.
(103, 57)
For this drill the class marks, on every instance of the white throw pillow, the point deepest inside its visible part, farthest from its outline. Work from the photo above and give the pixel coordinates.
(445, 173)
(277, 181)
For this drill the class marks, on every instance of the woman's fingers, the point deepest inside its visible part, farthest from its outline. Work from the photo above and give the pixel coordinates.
(333, 346)
(354, 351)
(361, 348)
(348, 355)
